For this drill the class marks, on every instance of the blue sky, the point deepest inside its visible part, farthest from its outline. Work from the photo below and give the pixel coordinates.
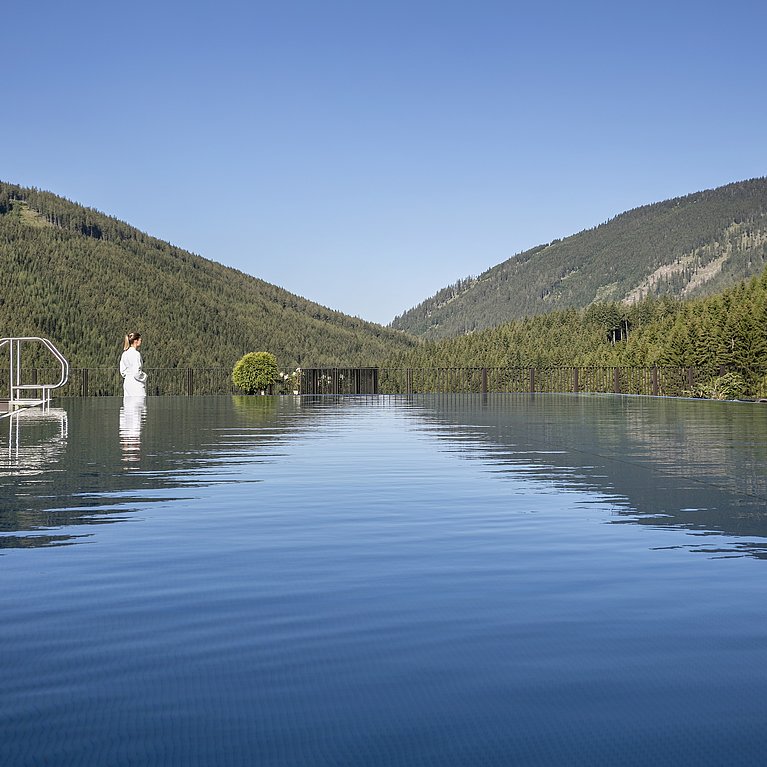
(366, 154)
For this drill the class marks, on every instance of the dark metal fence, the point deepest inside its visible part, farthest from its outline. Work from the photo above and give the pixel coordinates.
(106, 381)
(660, 381)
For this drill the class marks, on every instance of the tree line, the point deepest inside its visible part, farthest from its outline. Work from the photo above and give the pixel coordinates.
(724, 335)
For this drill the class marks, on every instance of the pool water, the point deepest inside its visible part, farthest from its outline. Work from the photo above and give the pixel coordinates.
(435, 580)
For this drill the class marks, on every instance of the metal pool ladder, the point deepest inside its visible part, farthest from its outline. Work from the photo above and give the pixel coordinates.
(32, 393)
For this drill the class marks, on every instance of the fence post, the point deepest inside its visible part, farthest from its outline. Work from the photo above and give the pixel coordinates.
(617, 381)
(690, 378)
(189, 382)
(532, 380)
(83, 382)
(655, 388)
(484, 380)
(575, 380)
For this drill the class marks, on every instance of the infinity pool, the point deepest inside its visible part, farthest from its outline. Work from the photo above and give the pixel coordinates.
(447, 580)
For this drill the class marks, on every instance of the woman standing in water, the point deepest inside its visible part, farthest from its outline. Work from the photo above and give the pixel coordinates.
(131, 367)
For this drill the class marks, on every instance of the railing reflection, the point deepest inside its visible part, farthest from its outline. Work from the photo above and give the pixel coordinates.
(36, 438)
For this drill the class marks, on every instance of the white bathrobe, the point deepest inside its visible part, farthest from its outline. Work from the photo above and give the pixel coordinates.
(134, 384)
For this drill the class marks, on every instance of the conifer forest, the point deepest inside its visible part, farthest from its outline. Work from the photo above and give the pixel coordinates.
(84, 279)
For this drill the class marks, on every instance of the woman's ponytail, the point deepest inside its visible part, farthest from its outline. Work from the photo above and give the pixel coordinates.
(129, 339)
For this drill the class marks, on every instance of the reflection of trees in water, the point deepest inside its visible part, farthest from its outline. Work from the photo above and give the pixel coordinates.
(118, 458)
(37, 541)
(700, 466)
(256, 409)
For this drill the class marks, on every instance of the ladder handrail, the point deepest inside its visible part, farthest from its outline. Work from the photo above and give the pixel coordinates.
(44, 388)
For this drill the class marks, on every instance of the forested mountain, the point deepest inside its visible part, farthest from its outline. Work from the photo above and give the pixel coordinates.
(84, 279)
(723, 333)
(685, 247)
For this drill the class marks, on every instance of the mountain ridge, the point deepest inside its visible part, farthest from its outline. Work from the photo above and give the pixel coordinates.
(686, 246)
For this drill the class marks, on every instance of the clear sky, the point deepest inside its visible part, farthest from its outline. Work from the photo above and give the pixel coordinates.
(364, 154)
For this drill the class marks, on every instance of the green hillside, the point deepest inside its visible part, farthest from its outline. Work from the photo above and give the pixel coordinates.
(724, 333)
(84, 279)
(686, 247)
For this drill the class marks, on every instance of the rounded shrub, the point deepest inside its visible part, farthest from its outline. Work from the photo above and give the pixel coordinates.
(255, 372)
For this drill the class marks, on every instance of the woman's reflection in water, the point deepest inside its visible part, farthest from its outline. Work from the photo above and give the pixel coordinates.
(132, 417)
